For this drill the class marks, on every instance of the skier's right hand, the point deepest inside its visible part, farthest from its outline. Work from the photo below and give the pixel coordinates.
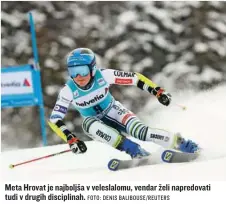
(162, 96)
(76, 145)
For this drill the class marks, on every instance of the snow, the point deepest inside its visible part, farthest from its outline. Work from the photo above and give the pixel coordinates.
(200, 47)
(180, 4)
(127, 17)
(215, 45)
(48, 6)
(23, 39)
(67, 41)
(216, 4)
(182, 12)
(160, 41)
(14, 21)
(213, 15)
(93, 20)
(147, 26)
(52, 90)
(203, 121)
(60, 15)
(188, 56)
(39, 17)
(221, 27)
(146, 62)
(54, 49)
(51, 63)
(178, 68)
(120, 47)
(208, 75)
(209, 33)
(165, 17)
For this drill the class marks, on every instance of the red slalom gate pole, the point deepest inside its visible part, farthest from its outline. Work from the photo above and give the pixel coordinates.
(44, 157)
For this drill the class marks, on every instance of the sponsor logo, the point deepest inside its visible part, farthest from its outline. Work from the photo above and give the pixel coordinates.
(26, 83)
(116, 107)
(11, 84)
(76, 93)
(16, 84)
(167, 156)
(62, 99)
(166, 139)
(95, 99)
(60, 108)
(123, 81)
(101, 81)
(55, 116)
(103, 135)
(114, 164)
(155, 136)
(126, 117)
(123, 74)
(120, 110)
(65, 100)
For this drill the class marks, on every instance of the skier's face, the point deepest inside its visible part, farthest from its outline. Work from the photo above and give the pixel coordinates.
(82, 80)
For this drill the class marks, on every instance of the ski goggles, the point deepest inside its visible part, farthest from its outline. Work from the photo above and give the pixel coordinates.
(82, 70)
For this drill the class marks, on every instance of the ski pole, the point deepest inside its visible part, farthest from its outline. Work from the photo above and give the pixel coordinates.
(44, 157)
(181, 106)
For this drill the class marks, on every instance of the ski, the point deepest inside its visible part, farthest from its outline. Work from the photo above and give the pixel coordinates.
(158, 157)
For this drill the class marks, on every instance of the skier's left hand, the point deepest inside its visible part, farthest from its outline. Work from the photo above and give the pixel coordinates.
(162, 96)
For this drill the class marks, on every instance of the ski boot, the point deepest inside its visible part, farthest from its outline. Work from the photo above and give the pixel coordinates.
(184, 145)
(132, 148)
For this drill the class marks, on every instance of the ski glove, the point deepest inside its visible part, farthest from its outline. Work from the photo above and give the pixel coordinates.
(76, 145)
(162, 96)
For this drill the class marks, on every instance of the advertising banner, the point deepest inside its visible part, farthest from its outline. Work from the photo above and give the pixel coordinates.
(20, 86)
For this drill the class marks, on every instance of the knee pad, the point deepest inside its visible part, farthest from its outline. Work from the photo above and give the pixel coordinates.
(97, 130)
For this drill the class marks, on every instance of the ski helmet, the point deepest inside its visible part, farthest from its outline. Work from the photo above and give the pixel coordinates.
(80, 57)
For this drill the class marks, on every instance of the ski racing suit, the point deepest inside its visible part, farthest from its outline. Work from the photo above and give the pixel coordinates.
(105, 119)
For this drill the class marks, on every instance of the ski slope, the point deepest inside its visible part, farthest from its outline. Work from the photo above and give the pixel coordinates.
(204, 121)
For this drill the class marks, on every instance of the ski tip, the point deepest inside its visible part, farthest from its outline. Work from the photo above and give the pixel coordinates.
(167, 156)
(113, 164)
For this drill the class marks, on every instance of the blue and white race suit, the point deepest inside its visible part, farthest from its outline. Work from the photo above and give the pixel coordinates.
(97, 102)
